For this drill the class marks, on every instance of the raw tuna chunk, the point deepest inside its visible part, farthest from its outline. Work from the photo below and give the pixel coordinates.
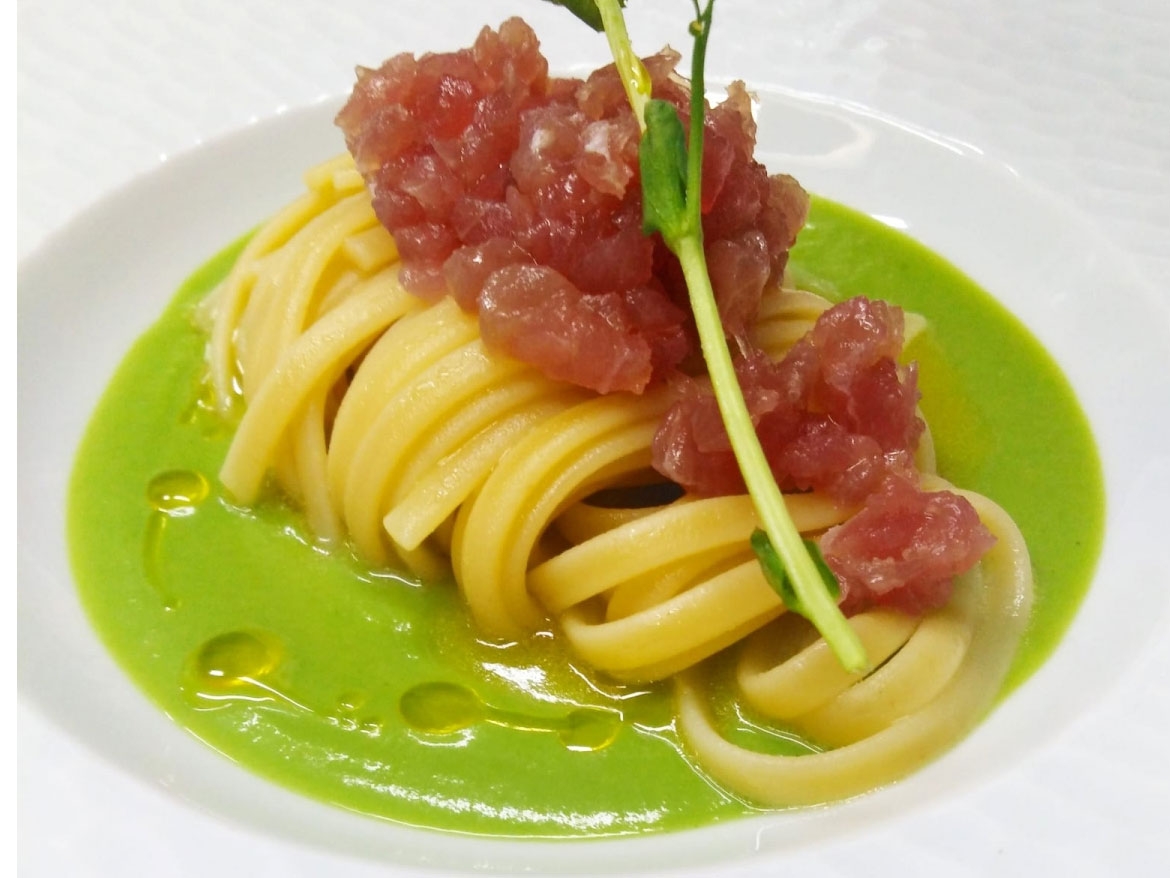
(478, 161)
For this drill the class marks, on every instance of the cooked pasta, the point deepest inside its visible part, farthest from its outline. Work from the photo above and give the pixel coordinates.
(388, 420)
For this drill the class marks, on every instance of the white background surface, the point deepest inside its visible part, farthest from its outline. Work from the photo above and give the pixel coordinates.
(1073, 98)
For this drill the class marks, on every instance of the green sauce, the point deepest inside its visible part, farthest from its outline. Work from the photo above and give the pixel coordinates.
(372, 692)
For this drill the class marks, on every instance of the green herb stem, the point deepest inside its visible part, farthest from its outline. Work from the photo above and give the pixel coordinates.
(817, 603)
(671, 163)
(700, 29)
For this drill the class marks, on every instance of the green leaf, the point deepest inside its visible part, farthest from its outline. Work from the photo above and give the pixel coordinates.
(778, 578)
(832, 586)
(774, 571)
(586, 10)
(662, 158)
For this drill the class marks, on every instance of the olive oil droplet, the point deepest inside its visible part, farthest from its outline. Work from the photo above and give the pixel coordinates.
(177, 491)
(445, 708)
(235, 659)
(590, 729)
(171, 494)
(441, 708)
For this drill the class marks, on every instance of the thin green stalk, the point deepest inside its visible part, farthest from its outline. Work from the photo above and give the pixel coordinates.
(671, 163)
(700, 30)
(818, 604)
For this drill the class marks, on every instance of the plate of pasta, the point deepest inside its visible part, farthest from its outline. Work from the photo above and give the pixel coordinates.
(381, 508)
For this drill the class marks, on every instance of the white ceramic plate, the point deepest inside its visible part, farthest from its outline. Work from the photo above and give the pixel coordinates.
(110, 786)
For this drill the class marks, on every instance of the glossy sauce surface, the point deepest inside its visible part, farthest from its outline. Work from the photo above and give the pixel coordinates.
(371, 691)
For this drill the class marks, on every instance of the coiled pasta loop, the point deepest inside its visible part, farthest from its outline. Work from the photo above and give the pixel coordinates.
(941, 677)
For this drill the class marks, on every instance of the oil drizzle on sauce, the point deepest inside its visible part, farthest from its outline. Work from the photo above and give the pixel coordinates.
(236, 666)
(243, 666)
(239, 666)
(448, 708)
(171, 494)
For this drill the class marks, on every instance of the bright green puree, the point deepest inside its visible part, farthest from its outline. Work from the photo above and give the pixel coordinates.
(371, 691)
